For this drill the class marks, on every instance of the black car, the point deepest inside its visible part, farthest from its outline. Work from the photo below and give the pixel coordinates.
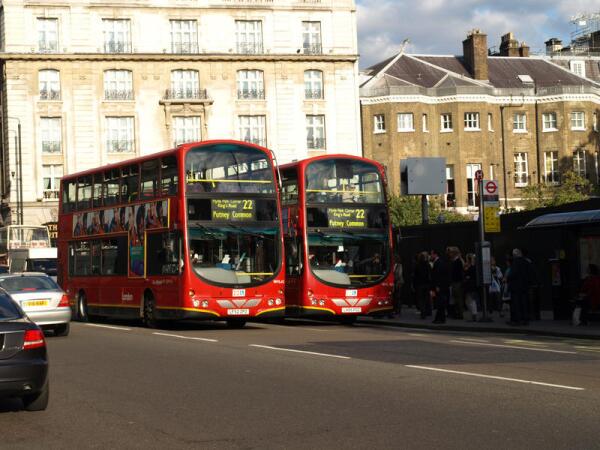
(23, 358)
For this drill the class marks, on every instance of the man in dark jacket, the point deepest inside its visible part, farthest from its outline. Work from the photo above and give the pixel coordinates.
(518, 284)
(440, 282)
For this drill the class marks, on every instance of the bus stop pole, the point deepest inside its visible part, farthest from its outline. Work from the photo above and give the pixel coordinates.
(481, 260)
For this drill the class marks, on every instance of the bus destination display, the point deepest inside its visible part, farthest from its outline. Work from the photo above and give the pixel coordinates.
(236, 210)
(347, 217)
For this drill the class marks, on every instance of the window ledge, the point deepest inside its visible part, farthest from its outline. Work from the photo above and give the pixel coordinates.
(520, 131)
(407, 130)
(549, 130)
(379, 132)
(449, 130)
(472, 129)
(578, 129)
(521, 185)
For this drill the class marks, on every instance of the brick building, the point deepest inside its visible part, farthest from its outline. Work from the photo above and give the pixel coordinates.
(520, 119)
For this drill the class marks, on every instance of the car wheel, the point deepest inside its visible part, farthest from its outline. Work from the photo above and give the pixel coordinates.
(149, 314)
(236, 323)
(39, 401)
(82, 310)
(62, 329)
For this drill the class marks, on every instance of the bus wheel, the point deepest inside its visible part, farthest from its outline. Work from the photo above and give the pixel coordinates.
(82, 310)
(348, 320)
(236, 323)
(149, 317)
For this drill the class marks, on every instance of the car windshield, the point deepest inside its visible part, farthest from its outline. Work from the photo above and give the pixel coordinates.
(47, 266)
(8, 308)
(28, 283)
(348, 258)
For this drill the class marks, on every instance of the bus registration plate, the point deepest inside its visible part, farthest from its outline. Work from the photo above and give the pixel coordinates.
(238, 312)
(352, 310)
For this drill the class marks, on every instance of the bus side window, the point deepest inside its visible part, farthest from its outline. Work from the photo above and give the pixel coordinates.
(69, 189)
(162, 253)
(98, 189)
(130, 184)
(169, 178)
(84, 192)
(150, 179)
(111, 186)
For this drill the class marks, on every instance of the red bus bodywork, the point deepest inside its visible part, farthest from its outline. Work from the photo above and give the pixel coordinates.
(179, 295)
(307, 294)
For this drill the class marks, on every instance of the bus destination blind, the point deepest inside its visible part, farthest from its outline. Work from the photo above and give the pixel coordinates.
(236, 210)
(347, 217)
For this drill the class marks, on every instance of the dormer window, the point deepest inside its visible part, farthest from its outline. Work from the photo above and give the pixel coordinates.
(578, 68)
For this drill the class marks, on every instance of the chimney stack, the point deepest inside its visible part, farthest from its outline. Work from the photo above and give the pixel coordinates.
(475, 53)
(509, 46)
(524, 50)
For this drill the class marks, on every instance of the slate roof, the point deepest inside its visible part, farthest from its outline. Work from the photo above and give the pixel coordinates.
(592, 65)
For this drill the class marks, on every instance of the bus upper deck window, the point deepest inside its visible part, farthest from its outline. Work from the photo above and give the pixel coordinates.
(150, 179)
(130, 184)
(84, 192)
(112, 180)
(169, 176)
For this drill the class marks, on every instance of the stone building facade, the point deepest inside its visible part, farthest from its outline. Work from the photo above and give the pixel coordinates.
(93, 83)
(520, 119)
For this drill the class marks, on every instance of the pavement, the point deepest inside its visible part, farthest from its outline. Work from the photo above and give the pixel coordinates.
(547, 326)
(310, 385)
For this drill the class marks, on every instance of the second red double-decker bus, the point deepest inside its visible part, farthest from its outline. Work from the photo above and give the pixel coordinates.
(193, 232)
(337, 236)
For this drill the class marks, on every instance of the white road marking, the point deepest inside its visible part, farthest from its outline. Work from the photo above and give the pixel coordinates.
(299, 351)
(191, 338)
(110, 327)
(474, 340)
(494, 377)
(416, 334)
(515, 347)
(588, 349)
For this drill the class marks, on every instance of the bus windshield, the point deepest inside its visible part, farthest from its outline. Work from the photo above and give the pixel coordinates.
(234, 254)
(23, 236)
(343, 181)
(228, 168)
(348, 258)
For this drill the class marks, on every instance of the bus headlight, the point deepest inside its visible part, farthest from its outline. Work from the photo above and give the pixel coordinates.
(270, 302)
(205, 303)
(313, 301)
(196, 303)
(278, 301)
(322, 302)
(191, 293)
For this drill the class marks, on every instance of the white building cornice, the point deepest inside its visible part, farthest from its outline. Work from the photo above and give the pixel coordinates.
(495, 100)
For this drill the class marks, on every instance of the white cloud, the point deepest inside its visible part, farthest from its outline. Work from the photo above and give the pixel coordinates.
(440, 26)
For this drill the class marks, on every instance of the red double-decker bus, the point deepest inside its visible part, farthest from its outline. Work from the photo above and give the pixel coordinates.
(189, 233)
(338, 237)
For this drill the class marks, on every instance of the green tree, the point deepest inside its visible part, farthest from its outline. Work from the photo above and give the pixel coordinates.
(573, 188)
(405, 210)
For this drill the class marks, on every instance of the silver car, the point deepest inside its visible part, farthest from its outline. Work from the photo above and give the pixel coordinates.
(41, 298)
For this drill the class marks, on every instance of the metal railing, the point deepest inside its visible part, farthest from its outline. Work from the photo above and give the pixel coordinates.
(51, 147)
(48, 46)
(117, 47)
(249, 48)
(51, 194)
(49, 94)
(184, 47)
(118, 94)
(251, 94)
(119, 145)
(313, 49)
(315, 143)
(312, 94)
(186, 94)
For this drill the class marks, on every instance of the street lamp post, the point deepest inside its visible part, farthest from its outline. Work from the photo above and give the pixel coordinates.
(19, 171)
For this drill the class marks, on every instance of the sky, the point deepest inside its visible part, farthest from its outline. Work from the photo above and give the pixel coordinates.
(440, 26)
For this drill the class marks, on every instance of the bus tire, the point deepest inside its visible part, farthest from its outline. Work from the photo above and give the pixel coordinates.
(149, 312)
(348, 320)
(82, 309)
(236, 323)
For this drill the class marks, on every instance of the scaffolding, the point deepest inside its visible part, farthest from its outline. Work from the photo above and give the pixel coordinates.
(581, 37)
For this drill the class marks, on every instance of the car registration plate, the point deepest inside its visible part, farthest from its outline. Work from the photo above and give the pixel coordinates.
(352, 310)
(238, 312)
(33, 303)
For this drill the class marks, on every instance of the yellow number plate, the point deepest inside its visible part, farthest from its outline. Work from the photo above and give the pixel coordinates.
(35, 303)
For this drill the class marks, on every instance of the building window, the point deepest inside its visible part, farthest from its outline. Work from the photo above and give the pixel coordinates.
(521, 169)
(472, 121)
(51, 130)
(549, 122)
(184, 84)
(118, 85)
(186, 129)
(551, 174)
(315, 132)
(405, 122)
(425, 124)
(119, 135)
(450, 196)
(379, 123)
(580, 163)
(578, 68)
(47, 35)
(490, 122)
(472, 194)
(49, 83)
(520, 123)
(51, 175)
(252, 129)
(249, 36)
(184, 36)
(117, 37)
(577, 120)
(313, 84)
(311, 38)
(446, 122)
(250, 84)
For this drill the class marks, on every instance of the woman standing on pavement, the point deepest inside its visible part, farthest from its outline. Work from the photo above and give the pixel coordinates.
(471, 293)
(422, 284)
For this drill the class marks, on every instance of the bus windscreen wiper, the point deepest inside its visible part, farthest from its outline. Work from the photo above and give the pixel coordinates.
(250, 233)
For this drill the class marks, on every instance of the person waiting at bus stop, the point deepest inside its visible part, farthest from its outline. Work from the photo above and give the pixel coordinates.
(589, 296)
(440, 281)
(518, 280)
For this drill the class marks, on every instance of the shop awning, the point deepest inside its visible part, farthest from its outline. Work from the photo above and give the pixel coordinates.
(589, 217)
